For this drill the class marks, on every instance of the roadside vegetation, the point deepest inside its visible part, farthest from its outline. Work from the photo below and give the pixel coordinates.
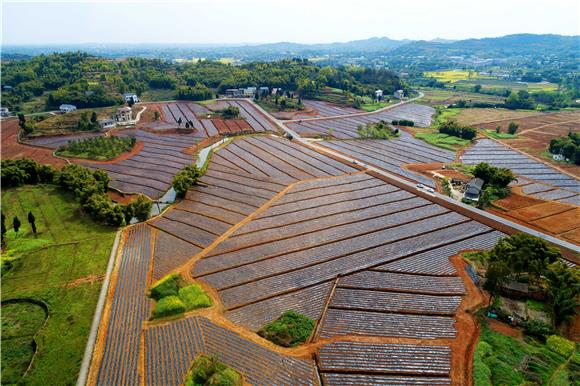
(98, 148)
(496, 183)
(378, 130)
(289, 330)
(209, 371)
(60, 265)
(174, 296)
(288, 102)
(185, 179)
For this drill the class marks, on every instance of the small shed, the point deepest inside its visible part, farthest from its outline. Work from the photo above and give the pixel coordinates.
(107, 123)
(130, 96)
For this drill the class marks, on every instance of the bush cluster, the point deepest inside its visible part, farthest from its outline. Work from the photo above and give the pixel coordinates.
(199, 92)
(453, 128)
(174, 296)
(496, 181)
(230, 112)
(289, 330)
(185, 179)
(208, 371)
(568, 146)
(99, 148)
(403, 122)
(89, 186)
(379, 130)
(25, 171)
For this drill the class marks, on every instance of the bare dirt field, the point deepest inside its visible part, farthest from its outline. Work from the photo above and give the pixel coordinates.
(12, 149)
(492, 117)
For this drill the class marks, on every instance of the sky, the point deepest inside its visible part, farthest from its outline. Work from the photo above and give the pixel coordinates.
(268, 21)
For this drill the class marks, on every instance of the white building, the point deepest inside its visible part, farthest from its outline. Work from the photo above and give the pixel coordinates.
(66, 108)
(249, 92)
(124, 116)
(399, 94)
(4, 112)
(131, 96)
(379, 94)
(558, 157)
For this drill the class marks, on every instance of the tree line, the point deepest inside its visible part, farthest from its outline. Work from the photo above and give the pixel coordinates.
(91, 81)
(87, 185)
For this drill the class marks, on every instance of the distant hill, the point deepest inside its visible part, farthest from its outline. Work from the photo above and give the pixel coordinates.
(519, 44)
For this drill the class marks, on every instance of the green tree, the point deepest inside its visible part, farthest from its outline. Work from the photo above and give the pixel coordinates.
(156, 115)
(512, 128)
(563, 291)
(496, 275)
(16, 224)
(3, 230)
(94, 117)
(32, 222)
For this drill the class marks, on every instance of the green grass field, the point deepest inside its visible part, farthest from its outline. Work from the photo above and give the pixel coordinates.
(442, 140)
(72, 247)
(156, 95)
(498, 84)
(493, 134)
(503, 360)
(441, 96)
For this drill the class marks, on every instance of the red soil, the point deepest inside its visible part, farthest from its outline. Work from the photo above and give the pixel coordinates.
(516, 201)
(505, 329)
(12, 149)
(121, 198)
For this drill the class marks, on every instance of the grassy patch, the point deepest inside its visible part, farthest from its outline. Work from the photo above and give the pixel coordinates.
(210, 371)
(67, 123)
(289, 330)
(98, 148)
(73, 247)
(493, 134)
(536, 305)
(442, 140)
(175, 297)
(158, 94)
(503, 360)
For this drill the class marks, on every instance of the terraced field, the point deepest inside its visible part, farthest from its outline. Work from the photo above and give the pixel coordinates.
(151, 170)
(278, 226)
(562, 186)
(392, 155)
(346, 128)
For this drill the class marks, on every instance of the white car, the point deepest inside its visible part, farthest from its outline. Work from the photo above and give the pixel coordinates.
(430, 190)
(420, 186)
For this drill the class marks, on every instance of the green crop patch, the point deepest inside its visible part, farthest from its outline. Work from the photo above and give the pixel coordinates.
(289, 330)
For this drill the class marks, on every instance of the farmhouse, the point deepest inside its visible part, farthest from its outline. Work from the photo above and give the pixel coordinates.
(234, 93)
(124, 116)
(379, 94)
(473, 189)
(66, 108)
(399, 94)
(107, 123)
(4, 112)
(131, 97)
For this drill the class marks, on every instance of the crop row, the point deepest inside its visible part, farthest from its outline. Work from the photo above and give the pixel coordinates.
(324, 243)
(498, 155)
(327, 262)
(382, 301)
(254, 117)
(129, 308)
(330, 209)
(384, 281)
(325, 109)
(339, 322)
(342, 379)
(308, 301)
(170, 349)
(347, 127)
(170, 253)
(385, 358)
(316, 224)
(436, 261)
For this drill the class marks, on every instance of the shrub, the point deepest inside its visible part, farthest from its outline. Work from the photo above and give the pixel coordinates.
(184, 179)
(560, 345)
(207, 370)
(194, 297)
(167, 286)
(379, 130)
(289, 330)
(169, 305)
(25, 171)
(537, 329)
(453, 128)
